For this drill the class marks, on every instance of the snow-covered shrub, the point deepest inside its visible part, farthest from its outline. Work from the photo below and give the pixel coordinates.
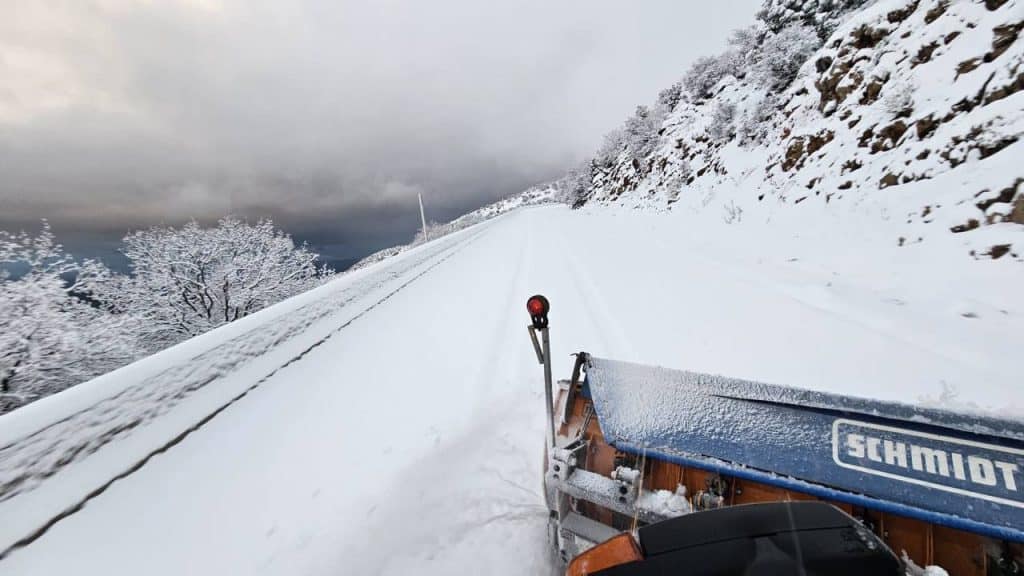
(898, 98)
(641, 132)
(53, 335)
(434, 230)
(670, 97)
(733, 213)
(188, 280)
(746, 44)
(782, 54)
(708, 71)
(823, 16)
(612, 146)
(723, 125)
(676, 181)
(754, 124)
(580, 182)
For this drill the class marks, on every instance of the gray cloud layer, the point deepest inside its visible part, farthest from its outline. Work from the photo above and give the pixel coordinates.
(328, 116)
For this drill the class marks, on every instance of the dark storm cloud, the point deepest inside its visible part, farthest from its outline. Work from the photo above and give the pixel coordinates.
(328, 116)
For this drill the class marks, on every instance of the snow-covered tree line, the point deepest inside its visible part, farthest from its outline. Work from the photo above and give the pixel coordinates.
(65, 321)
(767, 55)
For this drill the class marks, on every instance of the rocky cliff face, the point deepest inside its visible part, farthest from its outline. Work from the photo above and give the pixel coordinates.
(912, 107)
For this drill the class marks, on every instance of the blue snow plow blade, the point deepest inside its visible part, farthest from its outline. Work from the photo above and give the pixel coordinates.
(953, 469)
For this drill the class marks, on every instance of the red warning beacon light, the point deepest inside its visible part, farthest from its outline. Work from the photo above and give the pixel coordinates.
(538, 308)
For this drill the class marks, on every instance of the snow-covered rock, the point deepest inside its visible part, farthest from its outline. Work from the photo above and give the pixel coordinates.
(910, 109)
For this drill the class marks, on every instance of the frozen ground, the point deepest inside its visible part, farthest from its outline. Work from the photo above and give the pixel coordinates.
(394, 421)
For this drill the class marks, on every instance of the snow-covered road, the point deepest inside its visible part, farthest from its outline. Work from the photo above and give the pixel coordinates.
(392, 421)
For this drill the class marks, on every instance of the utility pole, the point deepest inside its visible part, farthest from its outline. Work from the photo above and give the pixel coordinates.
(423, 219)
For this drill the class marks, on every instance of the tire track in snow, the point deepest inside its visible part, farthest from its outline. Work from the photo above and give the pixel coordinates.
(839, 305)
(447, 253)
(612, 338)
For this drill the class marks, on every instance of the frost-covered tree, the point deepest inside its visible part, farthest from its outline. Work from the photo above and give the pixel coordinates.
(53, 336)
(782, 54)
(669, 98)
(188, 280)
(580, 184)
(755, 124)
(641, 132)
(611, 148)
(723, 122)
(746, 41)
(707, 71)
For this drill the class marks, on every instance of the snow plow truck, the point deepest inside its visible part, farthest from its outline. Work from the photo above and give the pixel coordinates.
(649, 470)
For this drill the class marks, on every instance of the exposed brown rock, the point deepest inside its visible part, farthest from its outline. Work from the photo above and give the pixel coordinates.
(924, 54)
(828, 83)
(951, 36)
(855, 79)
(1017, 214)
(963, 106)
(794, 154)
(889, 136)
(970, 225)
(872, 90)
(967, 66)
(998, 251)
(926, 126)
(865, 137)
(994, 4)
(889, 179)
(924, 154)
(933, 14)
(1003, 37)
(816, 141)
(868, 37)
(851, 165)
(1003, 91)
(846, 185)
(901, 14)
(990, 149)
(1005, 195)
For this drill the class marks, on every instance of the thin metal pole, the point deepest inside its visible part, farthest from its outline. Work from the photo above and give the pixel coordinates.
(547, 386)
(423, 218)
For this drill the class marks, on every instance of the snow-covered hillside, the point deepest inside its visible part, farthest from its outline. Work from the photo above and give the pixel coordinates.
(910, 109)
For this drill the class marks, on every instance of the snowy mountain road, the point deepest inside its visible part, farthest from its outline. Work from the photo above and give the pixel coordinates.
(392, 421)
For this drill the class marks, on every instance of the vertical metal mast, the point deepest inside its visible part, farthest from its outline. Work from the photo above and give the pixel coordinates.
(423, 218)
(549, 398)
(538, 308)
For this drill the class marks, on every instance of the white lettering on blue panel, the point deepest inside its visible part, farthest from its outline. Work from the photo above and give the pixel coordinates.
(966, 467)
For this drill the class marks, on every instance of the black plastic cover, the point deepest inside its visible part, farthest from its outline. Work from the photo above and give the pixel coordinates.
(809, 538)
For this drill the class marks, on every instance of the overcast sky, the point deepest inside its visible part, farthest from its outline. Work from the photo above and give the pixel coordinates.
(328, 116)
